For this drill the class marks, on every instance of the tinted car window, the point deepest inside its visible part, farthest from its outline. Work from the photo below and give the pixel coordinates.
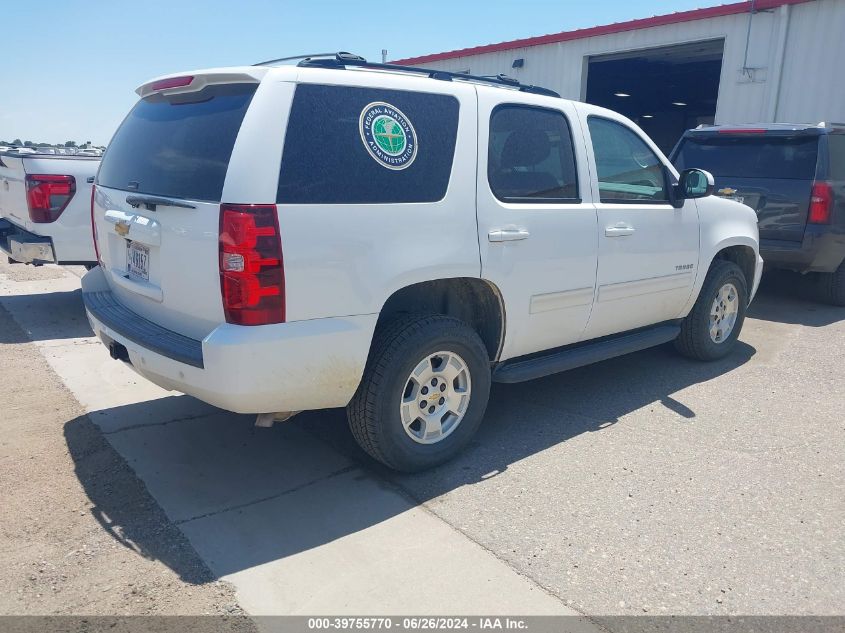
(751, 157)
(348, 145)
(628, 170)
(530, 155)
(178, 146)
(836, 156)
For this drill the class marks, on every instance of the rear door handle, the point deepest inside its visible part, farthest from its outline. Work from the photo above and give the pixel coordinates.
(507, 235)
(620, 229)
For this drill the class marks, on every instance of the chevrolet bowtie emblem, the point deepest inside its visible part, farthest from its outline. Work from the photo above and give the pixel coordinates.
(122, 228)
(727, 191)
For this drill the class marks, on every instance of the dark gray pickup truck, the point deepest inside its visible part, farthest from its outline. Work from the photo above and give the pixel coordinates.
(793, 176)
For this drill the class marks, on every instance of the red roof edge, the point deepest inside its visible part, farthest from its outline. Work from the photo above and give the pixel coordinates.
(618, 27)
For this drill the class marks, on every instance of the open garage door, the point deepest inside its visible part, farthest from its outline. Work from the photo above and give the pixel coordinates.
(665, 90)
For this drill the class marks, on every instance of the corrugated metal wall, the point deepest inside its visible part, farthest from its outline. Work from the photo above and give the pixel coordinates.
(813, 82)
(796, 53)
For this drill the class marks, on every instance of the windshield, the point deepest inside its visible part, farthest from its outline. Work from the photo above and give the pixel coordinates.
(747, 157)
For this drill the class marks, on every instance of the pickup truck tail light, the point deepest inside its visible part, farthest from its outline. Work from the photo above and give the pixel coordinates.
(47, 195)
(252, 276)
(821, 203)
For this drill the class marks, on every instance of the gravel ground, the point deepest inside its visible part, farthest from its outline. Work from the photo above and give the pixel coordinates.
(59, 553)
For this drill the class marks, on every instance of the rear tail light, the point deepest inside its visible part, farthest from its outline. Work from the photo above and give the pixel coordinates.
(252, 276)
(47, 195)
(821, 203)
(94, 224)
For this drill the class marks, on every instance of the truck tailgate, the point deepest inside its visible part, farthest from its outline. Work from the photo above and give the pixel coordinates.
(13, 190)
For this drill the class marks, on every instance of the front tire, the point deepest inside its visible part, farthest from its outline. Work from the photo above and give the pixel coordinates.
(712, 327)
(423, 394)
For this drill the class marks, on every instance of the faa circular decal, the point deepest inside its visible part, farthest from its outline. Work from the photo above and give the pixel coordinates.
(388, 135)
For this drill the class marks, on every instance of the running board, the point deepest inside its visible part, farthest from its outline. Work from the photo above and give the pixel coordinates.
(517, 370)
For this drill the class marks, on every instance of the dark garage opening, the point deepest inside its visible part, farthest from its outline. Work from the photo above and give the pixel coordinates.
(666, 90)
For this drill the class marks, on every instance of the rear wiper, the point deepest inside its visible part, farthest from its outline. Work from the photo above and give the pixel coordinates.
(151, 202)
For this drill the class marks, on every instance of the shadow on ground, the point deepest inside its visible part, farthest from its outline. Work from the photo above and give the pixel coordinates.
(245, 496)
(123, 506)
(787, 297)
(50, 315)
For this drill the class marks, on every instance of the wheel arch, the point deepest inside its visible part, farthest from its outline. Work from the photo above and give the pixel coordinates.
(475, 301)
(743, 256)
(740, 249)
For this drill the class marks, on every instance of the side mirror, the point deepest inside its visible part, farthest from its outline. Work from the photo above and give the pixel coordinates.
(695, 183)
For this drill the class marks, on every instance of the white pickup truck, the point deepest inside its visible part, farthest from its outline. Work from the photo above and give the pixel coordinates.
(45, 208)
(392, 240)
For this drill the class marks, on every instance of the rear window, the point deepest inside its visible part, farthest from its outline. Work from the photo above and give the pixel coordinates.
(751, 157)
(347, 145)
(836, 156)
(177, 146)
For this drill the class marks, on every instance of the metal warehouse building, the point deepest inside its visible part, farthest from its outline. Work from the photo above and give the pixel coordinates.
(747, 62)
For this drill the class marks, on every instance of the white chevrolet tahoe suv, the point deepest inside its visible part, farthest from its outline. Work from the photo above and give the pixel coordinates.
(392, 240)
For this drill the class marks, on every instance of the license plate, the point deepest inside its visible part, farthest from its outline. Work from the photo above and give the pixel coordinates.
(138, 261)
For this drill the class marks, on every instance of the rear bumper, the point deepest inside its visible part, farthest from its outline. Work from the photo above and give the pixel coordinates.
(23, 246)
(315, 364)
(822, 250)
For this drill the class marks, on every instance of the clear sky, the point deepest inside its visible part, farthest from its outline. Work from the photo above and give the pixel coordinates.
(70, 67)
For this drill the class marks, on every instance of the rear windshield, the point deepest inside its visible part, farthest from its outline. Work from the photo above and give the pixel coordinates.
(179, 146)
(747, 157)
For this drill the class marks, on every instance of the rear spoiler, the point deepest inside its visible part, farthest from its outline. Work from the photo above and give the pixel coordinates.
(196, 81)
(744, 132)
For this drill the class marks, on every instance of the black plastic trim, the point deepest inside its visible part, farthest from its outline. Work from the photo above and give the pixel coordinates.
(518, 200)
(151, 202)
(105, 308)
(565, 358)
(5, 227)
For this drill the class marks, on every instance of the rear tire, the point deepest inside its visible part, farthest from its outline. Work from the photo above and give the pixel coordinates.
(832, 286)
(423, 393)
(712, 327)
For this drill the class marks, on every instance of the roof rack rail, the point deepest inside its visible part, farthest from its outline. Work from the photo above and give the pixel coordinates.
(344, 60)
(511, 81)
(339, 55)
